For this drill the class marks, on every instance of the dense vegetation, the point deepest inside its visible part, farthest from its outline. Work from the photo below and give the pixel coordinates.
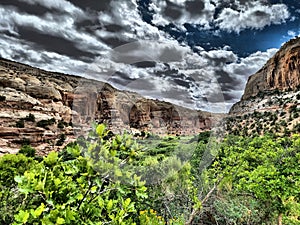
(110, 179)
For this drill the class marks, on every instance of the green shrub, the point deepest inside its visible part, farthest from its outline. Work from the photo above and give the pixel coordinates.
(293, 108)
(11, 198)
(62, 138)
(101, 181)
(45, 123)
(61, 124)
(20, 123)
(107, 178)
(30, 117)
(27, 150)
(265, 168)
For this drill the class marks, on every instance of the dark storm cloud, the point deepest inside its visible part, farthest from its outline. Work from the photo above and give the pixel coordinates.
(228, 96)
(52, 43)
(113, 28)
(168, 72)
(172, 74)
(172, 10)
(227, 82)
(114, 42)
(22, 51)
(118, 82)
(170, 55)
(219, 61)
(224, 77)
(119, 78)
(261, 14)
(194, 7)
(140, 51)
(102, 5)
(243, 2)
(142, 86)
(180, 12)
(25, 7)
(145, 64)
(181, 96)
(88, 25)
(182, 83)
(216, 98)
(21, 56)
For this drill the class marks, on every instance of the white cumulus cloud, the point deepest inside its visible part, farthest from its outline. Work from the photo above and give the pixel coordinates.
(254, 16)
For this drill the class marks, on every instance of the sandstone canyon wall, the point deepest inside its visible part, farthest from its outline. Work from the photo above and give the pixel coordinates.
(281, 72)
(48, 110)
(271, 100)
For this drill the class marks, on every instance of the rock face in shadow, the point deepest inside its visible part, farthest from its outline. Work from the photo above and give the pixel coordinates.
(281, 72)
(49, 110)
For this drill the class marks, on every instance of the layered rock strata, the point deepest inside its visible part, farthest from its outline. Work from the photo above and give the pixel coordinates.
(48, 110)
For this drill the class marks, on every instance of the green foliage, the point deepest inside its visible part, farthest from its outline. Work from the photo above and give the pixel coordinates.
(10, 197)
(263, 167)
(93, 183)
(30, 117)
(27, 150)
(61, 140)
(2, 98)
(239, 209)
(61, 124)
(45, 123)
(74, 191)
(20, 123)
(110, 179)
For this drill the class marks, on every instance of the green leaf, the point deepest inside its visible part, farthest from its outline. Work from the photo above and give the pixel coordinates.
(22, 217)
(57, 182)
(109, 205)
(39, 186)
(51, 159)
(127, 203)
(100, 130)
(94, 189)
(18, 179)
(70, 215)
(39, 210)
(60, 221)
(118, 172)
(79, 197)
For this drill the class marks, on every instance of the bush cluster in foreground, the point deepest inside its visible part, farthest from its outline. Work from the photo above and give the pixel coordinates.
(110, 179)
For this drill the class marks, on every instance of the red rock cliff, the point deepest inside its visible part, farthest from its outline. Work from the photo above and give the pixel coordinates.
(64, 106)
(281, 72)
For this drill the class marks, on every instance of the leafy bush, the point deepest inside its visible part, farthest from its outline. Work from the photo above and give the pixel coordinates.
(30, 117)
(10, 196)
(265, 168)
(107, 178)
(61, 124)
(27, 150)
(20, 123)
(61, 140)
(84, 185)
(45, 123)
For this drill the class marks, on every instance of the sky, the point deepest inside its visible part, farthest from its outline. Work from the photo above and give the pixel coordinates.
(193, 53)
